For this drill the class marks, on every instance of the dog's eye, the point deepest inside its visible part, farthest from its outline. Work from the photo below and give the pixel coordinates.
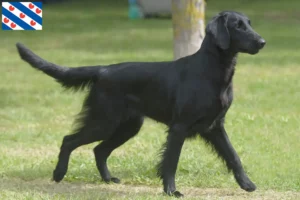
(240, 24)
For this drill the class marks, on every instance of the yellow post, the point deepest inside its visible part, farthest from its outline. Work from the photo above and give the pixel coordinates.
(188, 26)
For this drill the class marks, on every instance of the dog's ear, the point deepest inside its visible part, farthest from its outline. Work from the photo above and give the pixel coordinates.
(217, 27)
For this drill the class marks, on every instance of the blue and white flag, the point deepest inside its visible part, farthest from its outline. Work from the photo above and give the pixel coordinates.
(22, 15)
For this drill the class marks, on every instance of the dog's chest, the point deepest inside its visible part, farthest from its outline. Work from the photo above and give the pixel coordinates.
(220, 110)
(226, 94)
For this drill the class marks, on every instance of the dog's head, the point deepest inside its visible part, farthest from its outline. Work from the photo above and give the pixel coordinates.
(232, 30)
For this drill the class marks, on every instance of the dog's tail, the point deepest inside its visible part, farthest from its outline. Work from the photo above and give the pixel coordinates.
(70, 78)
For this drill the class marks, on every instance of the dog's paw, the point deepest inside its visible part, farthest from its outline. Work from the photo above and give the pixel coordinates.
(176, 194)
(244, 182)
(112, 180)
(248, 186)
(115, 180)
(58, 175)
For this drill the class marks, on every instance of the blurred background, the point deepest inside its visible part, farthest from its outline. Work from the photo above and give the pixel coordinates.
(35, 113)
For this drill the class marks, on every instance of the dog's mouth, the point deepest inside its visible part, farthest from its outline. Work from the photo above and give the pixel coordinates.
(254, 51)
(253, 47)
(250, 51)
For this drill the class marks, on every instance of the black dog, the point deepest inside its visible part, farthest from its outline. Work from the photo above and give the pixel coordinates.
(191, 95)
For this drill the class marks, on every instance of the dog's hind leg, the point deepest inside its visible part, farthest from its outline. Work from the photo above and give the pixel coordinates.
(218, 138)
(69, 144)
(91, 131)
(97, 121)
(123, 133)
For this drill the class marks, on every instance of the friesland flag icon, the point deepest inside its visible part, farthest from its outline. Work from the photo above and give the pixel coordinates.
(22, 15)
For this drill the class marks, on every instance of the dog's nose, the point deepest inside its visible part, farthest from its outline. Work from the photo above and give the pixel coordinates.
(262, 43)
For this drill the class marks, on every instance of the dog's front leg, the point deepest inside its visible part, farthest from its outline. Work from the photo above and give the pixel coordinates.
(218, 138)
(168, 165)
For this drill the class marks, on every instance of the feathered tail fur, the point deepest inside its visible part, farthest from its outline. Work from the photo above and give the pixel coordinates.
(70, 78)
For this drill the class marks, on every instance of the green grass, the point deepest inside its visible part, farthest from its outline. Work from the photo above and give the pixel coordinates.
(36, 113)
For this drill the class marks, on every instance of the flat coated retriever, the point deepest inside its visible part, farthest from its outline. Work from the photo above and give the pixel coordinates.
(190, 95)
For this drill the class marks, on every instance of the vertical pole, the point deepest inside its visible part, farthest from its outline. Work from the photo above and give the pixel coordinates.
(188, 26)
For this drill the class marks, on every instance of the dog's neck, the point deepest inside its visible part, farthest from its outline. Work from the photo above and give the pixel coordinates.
(226, 59)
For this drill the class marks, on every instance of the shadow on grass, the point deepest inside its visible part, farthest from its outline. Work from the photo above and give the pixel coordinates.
(88, 175)
(30, 174)
(42, 188)
(69, 190)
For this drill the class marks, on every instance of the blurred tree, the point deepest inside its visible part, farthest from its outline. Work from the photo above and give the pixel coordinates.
(188, 26)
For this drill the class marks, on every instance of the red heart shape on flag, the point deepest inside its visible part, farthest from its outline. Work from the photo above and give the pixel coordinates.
(32, 23)
(6, 20)
(11, 8)
(22, 15)
(13, 25)
(31, 6)
(38, 11)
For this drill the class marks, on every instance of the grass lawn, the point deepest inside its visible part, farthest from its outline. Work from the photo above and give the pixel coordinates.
(35, 112)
